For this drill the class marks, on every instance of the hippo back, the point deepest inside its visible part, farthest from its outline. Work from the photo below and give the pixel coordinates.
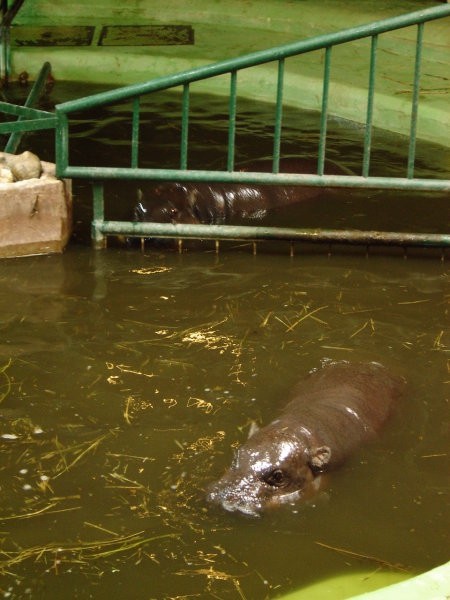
(344, 404)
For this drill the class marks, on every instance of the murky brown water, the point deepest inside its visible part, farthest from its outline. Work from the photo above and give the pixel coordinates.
(126, 378)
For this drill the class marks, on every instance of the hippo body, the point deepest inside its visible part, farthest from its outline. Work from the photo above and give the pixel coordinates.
(225, 203)
(333, 411)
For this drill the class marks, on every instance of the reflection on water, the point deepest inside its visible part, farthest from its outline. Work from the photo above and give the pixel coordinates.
(127, 378)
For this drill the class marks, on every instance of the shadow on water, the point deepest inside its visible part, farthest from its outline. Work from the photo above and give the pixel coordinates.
(127, 378)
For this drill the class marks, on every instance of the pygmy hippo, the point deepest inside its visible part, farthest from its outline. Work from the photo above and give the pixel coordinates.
(225, 203)
(338, 407)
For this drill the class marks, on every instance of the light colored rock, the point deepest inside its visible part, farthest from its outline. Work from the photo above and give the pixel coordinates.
(6, 175)
(24, 166)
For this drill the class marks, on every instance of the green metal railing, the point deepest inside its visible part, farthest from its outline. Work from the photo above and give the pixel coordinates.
(102, 228)
(279, 55)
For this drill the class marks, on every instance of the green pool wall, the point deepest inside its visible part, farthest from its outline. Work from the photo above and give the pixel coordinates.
(227, 29)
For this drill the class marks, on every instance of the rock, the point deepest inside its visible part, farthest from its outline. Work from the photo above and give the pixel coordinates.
(24, 166)
(5, 175)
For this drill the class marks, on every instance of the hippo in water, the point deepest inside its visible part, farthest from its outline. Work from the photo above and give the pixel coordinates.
(333, 411)
(225, 203)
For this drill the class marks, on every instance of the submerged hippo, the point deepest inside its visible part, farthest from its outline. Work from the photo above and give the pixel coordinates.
(333, 411)
(224, 203)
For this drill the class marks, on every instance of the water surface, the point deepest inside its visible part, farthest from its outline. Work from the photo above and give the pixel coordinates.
(127, 378)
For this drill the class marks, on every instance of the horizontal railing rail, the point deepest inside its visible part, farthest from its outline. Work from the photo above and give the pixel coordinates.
(398, 183)
(259, 233)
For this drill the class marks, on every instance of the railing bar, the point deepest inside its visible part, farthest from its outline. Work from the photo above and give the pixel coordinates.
(370, 99)
(24, 111)
(23, 126)
(8, 16)
(5, 58)
(184, 127)
(256, 177)
(232, 121)
(98, 220)
(135, 132)
(62, 143)
(245, 232)
(278, 118)
(415, 103)
(324, 113)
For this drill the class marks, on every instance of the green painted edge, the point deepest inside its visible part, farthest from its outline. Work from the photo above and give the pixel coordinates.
(432, 584)
(381, 585)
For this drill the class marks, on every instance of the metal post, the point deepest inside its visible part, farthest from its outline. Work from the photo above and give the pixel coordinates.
(370, 97)
(135, 133)
(232, 121)
(415, 103)
(324, 114)
(98, 239)
(278, 118)
(184, 127)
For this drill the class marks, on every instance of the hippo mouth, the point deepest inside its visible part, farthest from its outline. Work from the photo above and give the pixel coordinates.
(230, 503)
(252, 507)
(242, 508)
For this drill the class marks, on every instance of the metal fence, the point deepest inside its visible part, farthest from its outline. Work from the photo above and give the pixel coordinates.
(278, 55)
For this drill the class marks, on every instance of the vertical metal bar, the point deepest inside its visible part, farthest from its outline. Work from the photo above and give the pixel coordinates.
(3, 31)
(3, 59)
(324, 115)
(98, 239)
(61, 142)
(232, 121)
(370, 98)
(415, 104)
(8, 68)
(3, 11)
(135, 133)
(8, 15)
(184, 127)
(278, 118)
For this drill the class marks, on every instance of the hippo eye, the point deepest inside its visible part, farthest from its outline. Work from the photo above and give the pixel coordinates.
(275, 478)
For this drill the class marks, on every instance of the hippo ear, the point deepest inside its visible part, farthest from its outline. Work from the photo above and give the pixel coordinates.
(320, 457)
(253, 429)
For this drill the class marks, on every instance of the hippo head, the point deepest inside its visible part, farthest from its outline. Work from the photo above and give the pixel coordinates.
(273, 467)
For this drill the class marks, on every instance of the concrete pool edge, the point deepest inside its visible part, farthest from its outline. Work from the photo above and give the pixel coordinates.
(433, 584)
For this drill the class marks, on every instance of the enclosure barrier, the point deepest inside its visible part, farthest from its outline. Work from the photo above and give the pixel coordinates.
(97, 175)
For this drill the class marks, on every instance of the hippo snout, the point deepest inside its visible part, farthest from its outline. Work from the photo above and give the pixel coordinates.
(235, 497)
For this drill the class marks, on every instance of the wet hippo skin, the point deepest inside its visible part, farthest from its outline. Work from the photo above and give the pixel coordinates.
(333, 411)
(225, 203)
